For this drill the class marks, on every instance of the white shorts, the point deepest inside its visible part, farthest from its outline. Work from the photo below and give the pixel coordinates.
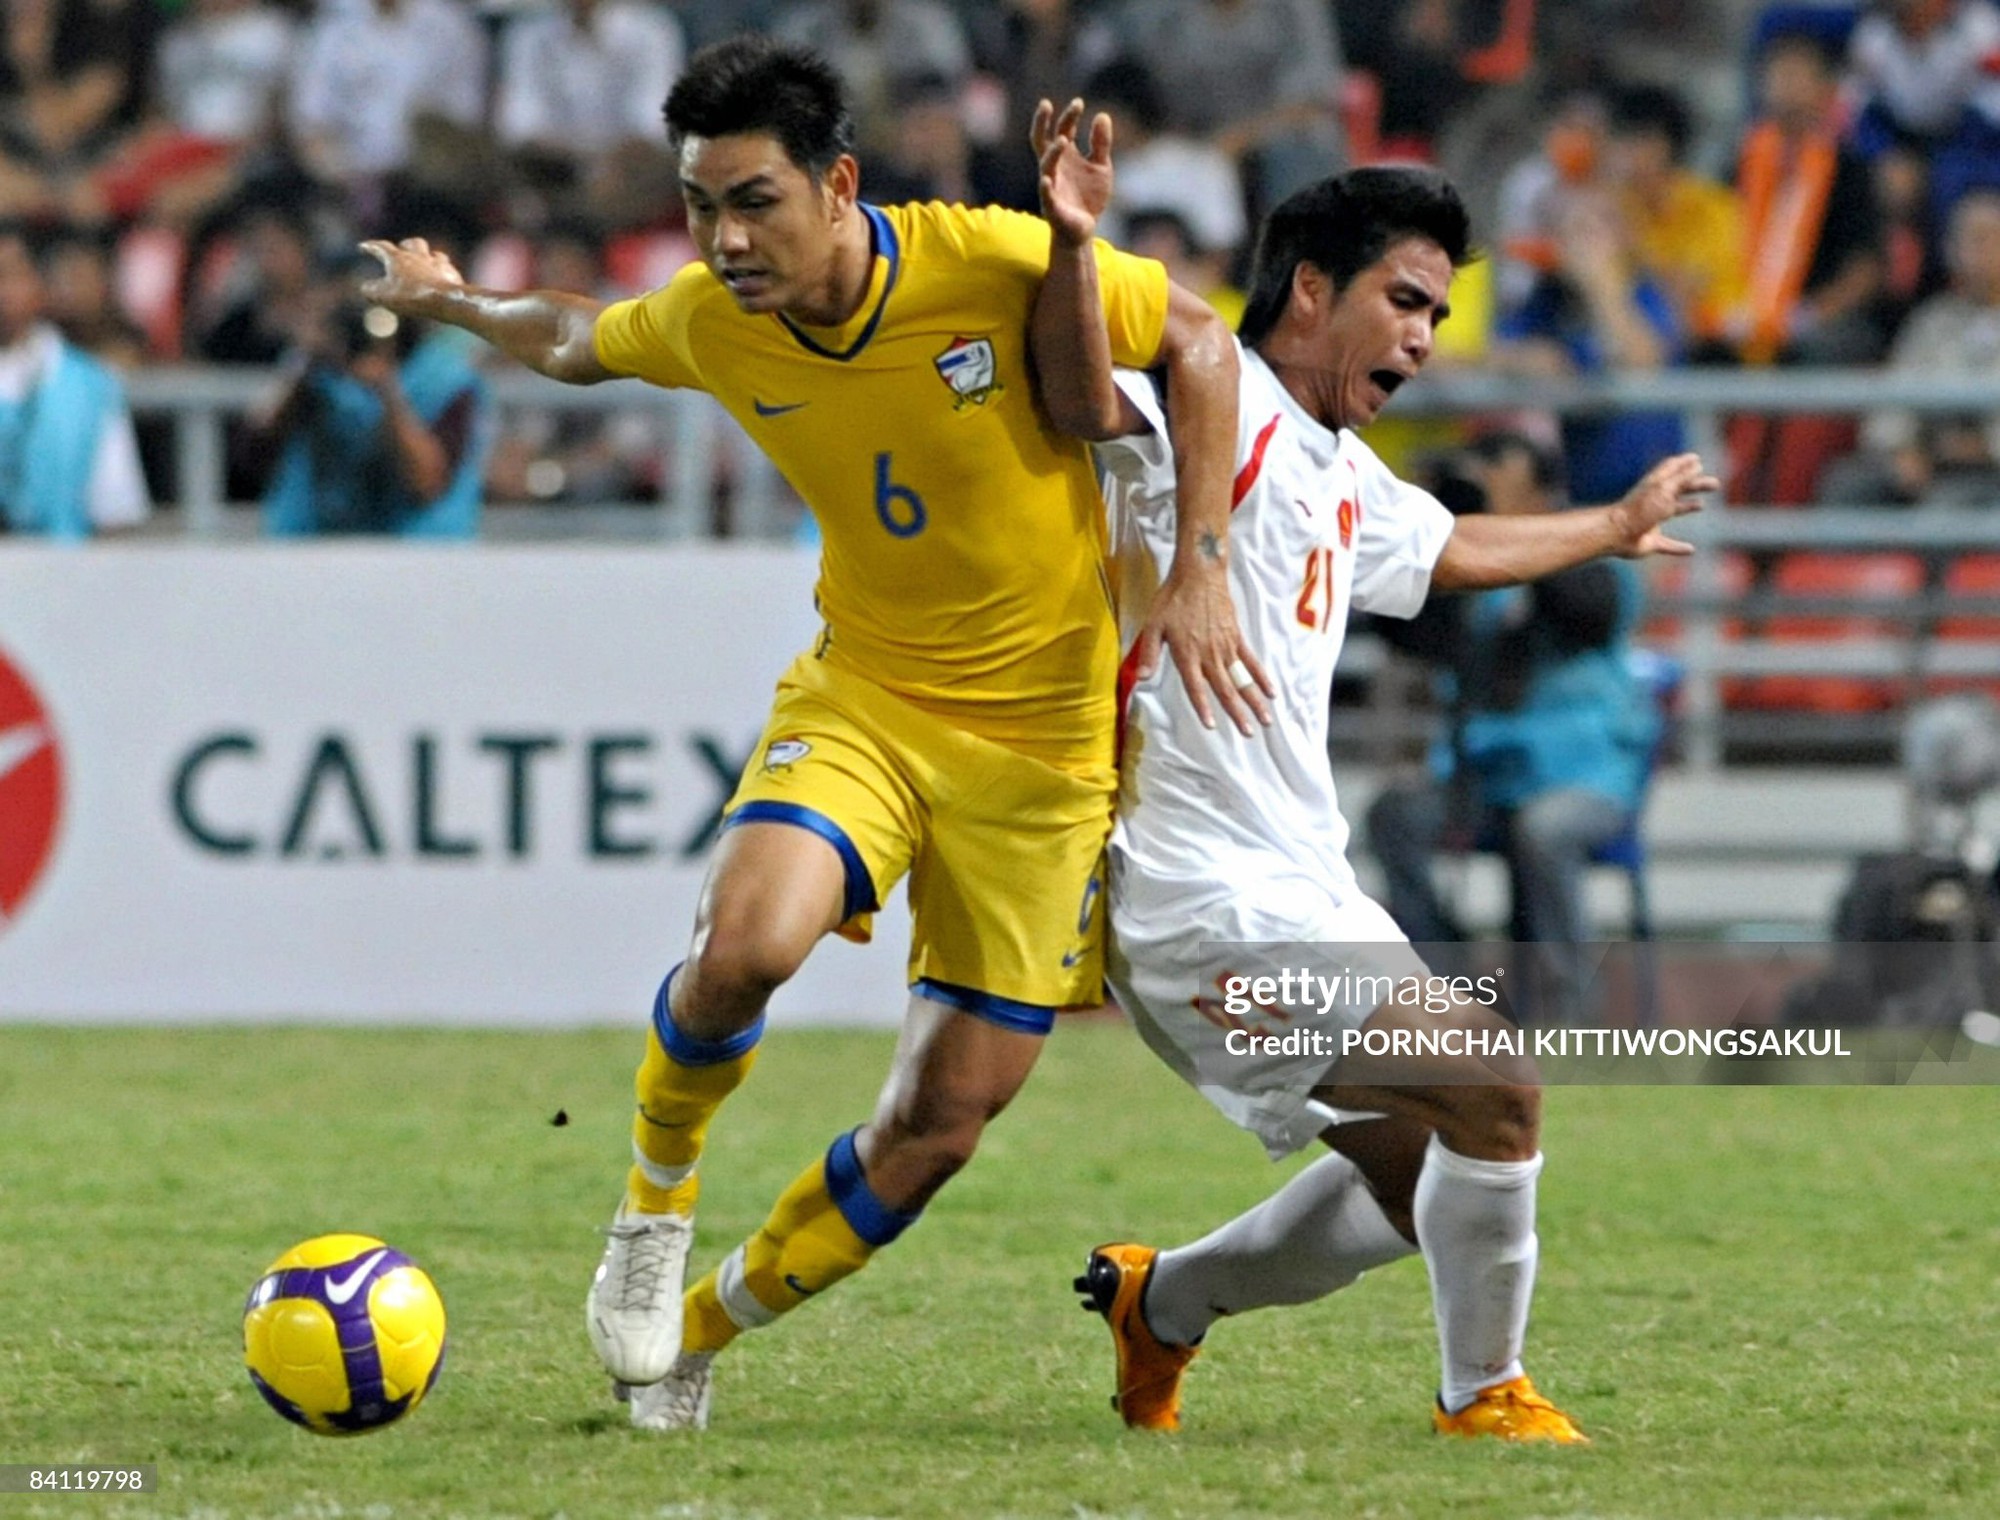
(1176, 948)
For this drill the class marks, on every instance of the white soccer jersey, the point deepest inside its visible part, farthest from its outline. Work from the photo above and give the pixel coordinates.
(1229, 852)
(1320, 526)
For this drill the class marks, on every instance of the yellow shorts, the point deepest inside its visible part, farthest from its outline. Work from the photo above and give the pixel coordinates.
(1004, 852)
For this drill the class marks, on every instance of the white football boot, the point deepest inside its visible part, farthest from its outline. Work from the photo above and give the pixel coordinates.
(679, 1401)
(634, 1307)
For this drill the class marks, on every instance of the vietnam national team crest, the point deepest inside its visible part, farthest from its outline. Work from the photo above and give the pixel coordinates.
(30, 789)
(968, 367)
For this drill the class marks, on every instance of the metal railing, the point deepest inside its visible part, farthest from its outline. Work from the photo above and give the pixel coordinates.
(697, 436)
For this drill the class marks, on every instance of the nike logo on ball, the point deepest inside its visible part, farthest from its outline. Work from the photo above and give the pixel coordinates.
(339, 1292)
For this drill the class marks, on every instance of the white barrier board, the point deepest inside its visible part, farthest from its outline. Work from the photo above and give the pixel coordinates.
(380, 782)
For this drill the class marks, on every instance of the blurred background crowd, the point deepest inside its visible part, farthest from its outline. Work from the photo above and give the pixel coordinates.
(1660, 183)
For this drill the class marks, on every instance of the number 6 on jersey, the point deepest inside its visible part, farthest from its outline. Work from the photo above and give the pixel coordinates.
(902, 510)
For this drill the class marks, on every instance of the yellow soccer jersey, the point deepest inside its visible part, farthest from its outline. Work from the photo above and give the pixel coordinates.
(962, 566)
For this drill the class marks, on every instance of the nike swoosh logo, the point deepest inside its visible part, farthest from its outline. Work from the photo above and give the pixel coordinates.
(776, 411)
(339, 1292)
(1072, 959)
(798, 1287)
(20, 744)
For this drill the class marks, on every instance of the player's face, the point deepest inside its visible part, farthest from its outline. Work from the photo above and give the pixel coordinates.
(761, 223)
(1379, 330)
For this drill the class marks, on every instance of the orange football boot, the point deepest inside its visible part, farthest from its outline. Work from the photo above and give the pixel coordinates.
(1149, 1371)
(1511, 1411)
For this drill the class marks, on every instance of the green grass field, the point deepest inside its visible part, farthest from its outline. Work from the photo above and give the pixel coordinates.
(1762, 1302)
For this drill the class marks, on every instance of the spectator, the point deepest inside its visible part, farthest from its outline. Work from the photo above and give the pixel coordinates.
(1164, 235)
(571, 456)
(370, 74)
(1813, 263)
(1928, 75)
(221, 72)
(1259, 78)
(1549, 738)
(934, 159)
(73, 77)
(1918, 67)
(584, 80)
(83, 304)
(1597, 311)
(270, 295)
(1161, 169)
(222, 69)
(1534, 193)
(878, 45)
(1687, 230)
(1940, 460)
(69, 461)
(1038, 50)
(379, 429)
(1912, 263)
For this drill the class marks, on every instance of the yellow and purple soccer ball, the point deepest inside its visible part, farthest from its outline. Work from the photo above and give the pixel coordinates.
(343, 1334)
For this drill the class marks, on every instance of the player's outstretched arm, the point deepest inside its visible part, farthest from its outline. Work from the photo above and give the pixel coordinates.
(1488, 551)
(1192, 612)
(547, 330)
(1066, 333)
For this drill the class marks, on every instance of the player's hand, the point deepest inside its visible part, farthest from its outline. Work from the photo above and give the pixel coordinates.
(1076, 188)
(412, 273)
(1672, 488)
(1194, 616)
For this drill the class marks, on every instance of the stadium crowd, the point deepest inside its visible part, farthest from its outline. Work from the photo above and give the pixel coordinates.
(1661, 182)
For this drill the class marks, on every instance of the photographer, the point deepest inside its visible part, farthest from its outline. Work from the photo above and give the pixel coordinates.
(1546, 755)
(381, 429)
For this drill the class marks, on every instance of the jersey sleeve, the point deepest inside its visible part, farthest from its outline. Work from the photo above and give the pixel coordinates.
(1145, 459)
(1133, 289)
(1402, 530)
(647, 337)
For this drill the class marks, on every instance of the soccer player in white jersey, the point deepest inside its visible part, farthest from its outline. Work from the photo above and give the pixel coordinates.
(1230, 853)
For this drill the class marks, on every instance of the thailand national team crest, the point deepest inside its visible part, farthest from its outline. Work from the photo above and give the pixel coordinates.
(783, 754)
(968, 367)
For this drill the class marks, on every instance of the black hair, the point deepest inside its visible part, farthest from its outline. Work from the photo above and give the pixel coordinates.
(1650, 108)
(1128, 86)
(1800, 40)
(32, 236)
(1545, 464)
(1344, 224)
(754, 84)
(1147, 219)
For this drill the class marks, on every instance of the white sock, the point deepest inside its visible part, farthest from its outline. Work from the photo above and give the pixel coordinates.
(1476, 1223)
(1317, 1233)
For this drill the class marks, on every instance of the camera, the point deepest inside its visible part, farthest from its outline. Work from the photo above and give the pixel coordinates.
(356, 327)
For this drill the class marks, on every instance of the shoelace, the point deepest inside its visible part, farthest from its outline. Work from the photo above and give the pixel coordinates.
(685, 1385)
(642, 1263)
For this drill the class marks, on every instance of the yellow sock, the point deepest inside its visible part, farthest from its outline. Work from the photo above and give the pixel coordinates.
(824, 1227)
(681, 1083)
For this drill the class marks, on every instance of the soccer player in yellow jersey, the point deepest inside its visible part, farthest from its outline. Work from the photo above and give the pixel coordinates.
(954, 722)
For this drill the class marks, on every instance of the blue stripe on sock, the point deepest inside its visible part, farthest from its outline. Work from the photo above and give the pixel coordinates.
(684, 1047)
(872, 1219)
(860, 892)
(1023, 1018)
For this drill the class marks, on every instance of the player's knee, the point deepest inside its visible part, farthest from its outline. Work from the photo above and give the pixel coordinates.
(736, 956)
(1495, 1120)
